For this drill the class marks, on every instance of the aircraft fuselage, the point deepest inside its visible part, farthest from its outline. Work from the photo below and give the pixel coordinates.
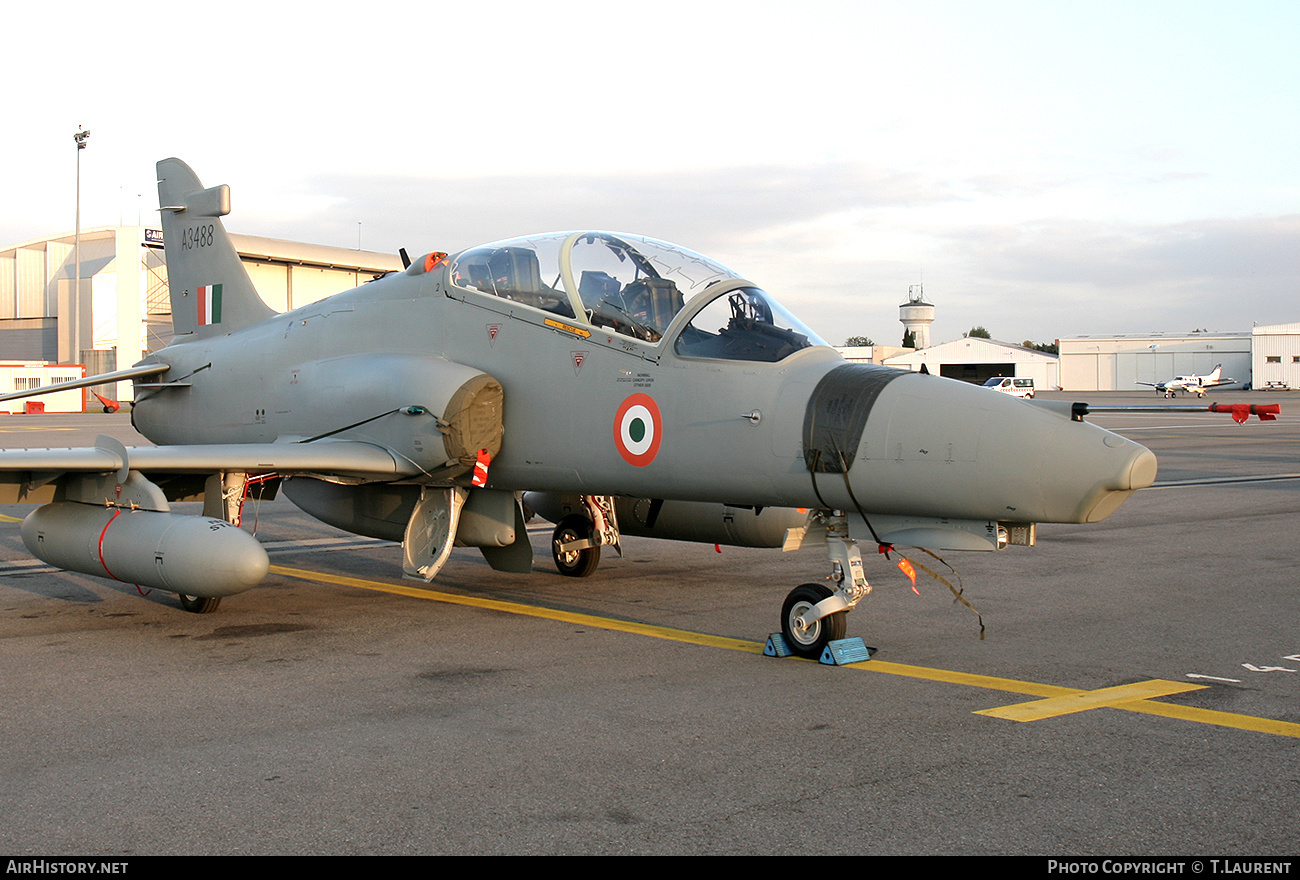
(735, 431)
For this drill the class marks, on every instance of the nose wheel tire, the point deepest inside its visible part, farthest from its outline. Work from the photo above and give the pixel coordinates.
(574, 563)
(200, 604)
(811, 641)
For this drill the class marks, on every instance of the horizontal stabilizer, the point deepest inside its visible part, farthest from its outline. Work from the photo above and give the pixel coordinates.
(211, 202)
(101, 379)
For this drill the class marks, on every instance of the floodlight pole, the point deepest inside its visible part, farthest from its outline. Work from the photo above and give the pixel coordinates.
(80, 137)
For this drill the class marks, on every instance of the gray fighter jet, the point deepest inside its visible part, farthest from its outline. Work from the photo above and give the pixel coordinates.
(627, 384)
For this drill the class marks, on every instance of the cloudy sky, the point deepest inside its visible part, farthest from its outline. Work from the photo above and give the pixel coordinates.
(1044, 169)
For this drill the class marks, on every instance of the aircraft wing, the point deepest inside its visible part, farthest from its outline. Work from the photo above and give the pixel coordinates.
(24, 469)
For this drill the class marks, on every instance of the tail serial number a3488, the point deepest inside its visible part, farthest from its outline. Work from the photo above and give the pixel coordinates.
(614, 383)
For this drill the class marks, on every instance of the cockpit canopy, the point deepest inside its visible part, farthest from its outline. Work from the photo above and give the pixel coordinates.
(635, 286)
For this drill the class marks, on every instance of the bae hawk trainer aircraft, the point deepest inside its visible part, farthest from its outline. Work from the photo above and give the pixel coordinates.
(1197, 385)
(630, 386)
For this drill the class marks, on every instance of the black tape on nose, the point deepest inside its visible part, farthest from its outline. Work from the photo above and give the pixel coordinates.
(837, 413)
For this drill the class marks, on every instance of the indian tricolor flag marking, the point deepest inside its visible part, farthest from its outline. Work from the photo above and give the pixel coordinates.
(209, 304)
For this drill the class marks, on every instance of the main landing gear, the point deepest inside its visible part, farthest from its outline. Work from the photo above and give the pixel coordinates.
(814, 615)
(572, 548)
(199, 604)
(577, 539)
(223, 498)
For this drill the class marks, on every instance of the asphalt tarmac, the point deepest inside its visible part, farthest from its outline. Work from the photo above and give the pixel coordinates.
(1137, 691)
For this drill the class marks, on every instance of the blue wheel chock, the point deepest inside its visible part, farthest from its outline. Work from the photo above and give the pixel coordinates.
(776, 647)
(836, 653)
(844, 651)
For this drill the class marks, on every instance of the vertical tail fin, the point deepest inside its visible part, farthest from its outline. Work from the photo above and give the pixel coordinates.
(211, 292)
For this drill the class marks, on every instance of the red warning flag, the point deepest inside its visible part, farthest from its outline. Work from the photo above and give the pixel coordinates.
(906, 568)
(480, 469)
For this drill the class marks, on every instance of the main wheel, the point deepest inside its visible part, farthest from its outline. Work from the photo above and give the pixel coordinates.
(811, 641)
(200, 604)
(574, 563)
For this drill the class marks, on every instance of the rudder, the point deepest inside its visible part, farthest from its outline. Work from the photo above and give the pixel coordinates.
(211, 292)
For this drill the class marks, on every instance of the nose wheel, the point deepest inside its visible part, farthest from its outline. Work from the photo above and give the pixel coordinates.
(809, 639)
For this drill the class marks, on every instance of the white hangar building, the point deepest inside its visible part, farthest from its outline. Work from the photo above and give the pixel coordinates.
(122, 310)
(1275, 355)
(973, 359)
(1122, 362)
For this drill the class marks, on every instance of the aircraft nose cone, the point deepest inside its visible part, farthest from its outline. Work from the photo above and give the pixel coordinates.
(1138, 470)
(928, 446)
(1143, 472)
(1101, 478)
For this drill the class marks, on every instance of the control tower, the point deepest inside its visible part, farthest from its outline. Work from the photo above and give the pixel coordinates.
(917, 315)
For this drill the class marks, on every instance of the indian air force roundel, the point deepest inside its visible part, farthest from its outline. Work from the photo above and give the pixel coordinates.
(638, 428)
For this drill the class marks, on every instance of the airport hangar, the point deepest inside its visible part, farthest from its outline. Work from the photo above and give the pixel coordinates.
(122, 311)
(1264, 357)
(1134, 362)
(973, 359)
(1124, 362)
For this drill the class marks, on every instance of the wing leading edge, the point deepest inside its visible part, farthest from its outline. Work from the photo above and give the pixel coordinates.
(22, 471)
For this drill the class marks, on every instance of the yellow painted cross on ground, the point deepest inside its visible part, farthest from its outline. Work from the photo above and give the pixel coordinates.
(1081, 701)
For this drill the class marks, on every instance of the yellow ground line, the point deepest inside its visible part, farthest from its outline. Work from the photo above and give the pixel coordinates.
(663, 632)
(1057, 700)
(6, 518)
(1212, 716)
(970, 679)
(17, 429)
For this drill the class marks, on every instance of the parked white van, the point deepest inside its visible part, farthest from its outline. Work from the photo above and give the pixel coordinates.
(1007, 385)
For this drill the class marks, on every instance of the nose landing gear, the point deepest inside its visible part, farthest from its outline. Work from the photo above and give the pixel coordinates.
(813, 615)
(805, 635)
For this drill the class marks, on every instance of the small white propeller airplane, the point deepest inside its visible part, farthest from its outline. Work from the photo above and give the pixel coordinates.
(1197, 385)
